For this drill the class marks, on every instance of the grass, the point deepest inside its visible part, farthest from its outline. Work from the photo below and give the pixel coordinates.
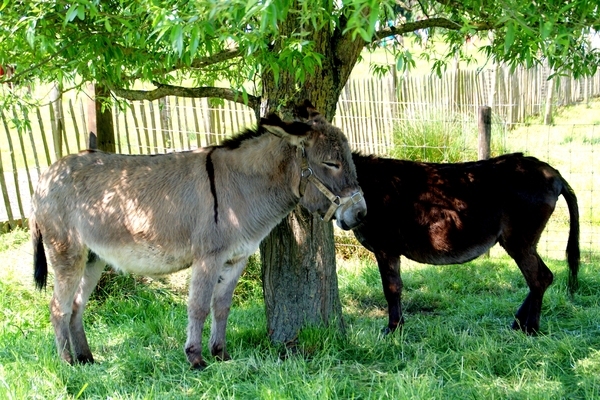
(577, 160)
(456, 342)
(436, 136)
(568, 145)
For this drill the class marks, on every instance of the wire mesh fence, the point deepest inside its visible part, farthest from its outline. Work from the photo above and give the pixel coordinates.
(387, 116)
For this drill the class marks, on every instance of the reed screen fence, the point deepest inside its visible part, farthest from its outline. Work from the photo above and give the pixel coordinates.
(369, 111)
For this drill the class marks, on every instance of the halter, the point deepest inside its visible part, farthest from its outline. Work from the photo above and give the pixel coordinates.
(306, 175)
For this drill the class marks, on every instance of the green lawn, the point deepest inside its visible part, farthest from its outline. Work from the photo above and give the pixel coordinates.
(456, 342)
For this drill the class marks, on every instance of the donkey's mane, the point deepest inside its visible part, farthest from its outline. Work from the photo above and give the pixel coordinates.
(236, 141)
(230, 143)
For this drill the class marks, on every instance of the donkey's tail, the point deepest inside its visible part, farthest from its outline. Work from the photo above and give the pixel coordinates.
(40, 264)
(573, 252)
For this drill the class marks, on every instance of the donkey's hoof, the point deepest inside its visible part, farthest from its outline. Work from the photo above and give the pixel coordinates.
(386, 331)
(516, 325)
(84, 359)
(194, 356)
(526, 329)
(220, 354)
(199, 366)
(531, 331)
(223, 356)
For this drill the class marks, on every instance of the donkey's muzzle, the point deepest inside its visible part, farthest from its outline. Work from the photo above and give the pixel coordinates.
(350, 211)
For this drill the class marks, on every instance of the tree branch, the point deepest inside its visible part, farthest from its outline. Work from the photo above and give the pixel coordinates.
(180, 91)
(197, 63)
(429, 23)
(216, 58)
(346, 48)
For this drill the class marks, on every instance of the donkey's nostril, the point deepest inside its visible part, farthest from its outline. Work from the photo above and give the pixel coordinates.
(361, 215)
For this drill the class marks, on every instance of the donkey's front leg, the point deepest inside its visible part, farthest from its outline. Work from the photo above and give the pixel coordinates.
(389, 269)
(204, 278)
(91, 276)
(221, 304)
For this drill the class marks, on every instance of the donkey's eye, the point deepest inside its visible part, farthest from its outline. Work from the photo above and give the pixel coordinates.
(332, 164)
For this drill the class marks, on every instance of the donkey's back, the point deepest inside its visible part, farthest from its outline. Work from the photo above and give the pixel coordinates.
(136, 212)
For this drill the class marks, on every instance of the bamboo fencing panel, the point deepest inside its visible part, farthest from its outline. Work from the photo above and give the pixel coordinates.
(368, 111)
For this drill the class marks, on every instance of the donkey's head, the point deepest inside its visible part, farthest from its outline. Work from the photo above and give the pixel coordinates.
(329, 185)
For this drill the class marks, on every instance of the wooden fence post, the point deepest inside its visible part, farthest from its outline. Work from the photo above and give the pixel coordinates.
(485, 132)
(165, 123)
(549, 101)
(484, 148)
(56, 118)
(4, 187)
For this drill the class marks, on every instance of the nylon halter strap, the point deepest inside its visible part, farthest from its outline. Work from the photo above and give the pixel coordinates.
(336, 201)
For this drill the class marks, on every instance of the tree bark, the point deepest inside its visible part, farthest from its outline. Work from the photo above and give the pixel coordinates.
(58, 118)
(299, 276)
(298, 257)
(549, 101)
(100, 122)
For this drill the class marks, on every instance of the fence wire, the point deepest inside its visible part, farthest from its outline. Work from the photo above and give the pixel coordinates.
(375, 114)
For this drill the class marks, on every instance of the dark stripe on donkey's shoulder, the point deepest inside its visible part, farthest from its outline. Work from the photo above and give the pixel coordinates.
(210, 170)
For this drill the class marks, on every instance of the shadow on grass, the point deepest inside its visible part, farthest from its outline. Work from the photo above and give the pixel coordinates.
(484, 287)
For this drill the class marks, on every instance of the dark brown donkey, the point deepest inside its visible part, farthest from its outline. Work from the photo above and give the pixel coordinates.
(451, 213)
(206, 209)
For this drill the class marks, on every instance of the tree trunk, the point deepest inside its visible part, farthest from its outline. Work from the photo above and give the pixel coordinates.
(100, 121)
(299, 276)
(298, 256)
(58, 118)
(549, 102)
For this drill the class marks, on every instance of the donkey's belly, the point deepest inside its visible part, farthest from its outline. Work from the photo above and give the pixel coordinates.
(444, 258)
(457, 254)
(144, 260)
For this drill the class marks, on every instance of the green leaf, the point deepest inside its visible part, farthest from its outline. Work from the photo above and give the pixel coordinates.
(81, 13)
(177, 39)
(373, 16)
(275, 68)
(364, 34)
(30, 33)
(547, 29)
(399, 63)
(510, 36)
(71, 13)
(194, 40)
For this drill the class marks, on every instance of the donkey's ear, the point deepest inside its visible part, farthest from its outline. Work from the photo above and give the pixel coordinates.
(306, 111)
(296, 132)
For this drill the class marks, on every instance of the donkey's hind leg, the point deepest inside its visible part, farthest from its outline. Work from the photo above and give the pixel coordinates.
(68, 264)
(520, 242)
(538, 278)
(91, 276)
